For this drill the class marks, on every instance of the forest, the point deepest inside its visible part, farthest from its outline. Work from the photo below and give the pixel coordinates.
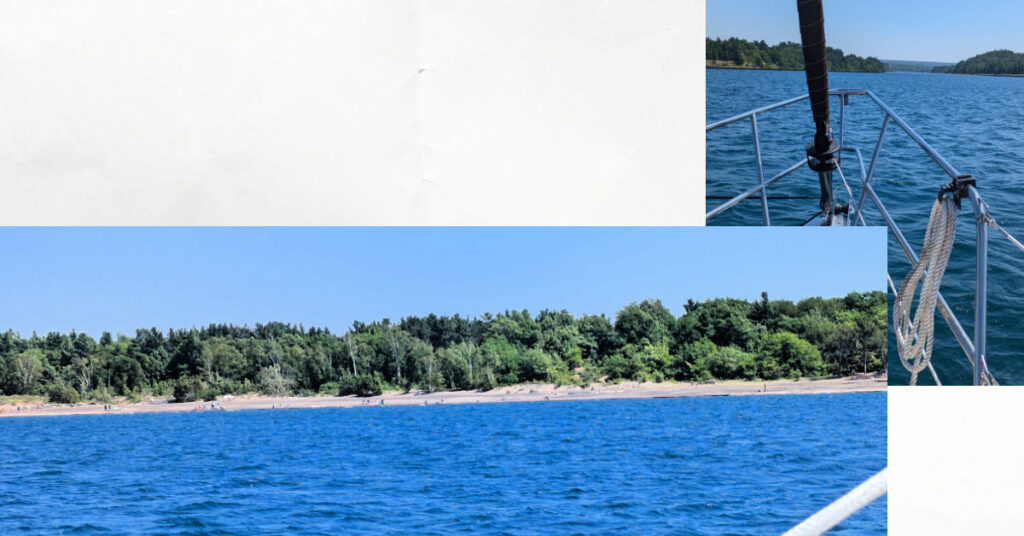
(786, 55)
(716, 339)
(993, 62)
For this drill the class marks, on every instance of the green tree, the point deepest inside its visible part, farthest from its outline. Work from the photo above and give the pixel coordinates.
(316, 369)
(23, 370)
(530, 366)
(795, 356)
(647, 322)
(271, 381)
(711, 361)
(598, 337)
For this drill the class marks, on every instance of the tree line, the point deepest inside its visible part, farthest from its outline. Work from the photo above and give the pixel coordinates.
(717, 339)
(785, 55)
(993, 62)
(907, 66)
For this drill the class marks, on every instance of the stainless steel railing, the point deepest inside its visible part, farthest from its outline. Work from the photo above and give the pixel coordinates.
(975, 349)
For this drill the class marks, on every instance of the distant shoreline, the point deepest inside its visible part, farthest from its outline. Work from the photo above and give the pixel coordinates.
(517, 393)
(709, 65)
(739, 68)
(1006, 75)
(706, 67)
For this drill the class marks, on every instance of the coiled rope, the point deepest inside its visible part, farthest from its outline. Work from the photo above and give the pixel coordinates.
(844, 507)
(914, 339)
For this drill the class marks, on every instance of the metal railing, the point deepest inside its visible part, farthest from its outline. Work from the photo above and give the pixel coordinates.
(975, 349)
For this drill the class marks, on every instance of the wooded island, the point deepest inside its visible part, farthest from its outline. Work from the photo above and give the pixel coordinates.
(740, 53)
(1000, 62)
(722, 338)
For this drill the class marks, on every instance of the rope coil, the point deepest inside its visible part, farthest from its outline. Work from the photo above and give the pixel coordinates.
(914, 338)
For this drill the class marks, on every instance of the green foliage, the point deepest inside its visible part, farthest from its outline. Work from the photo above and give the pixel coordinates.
(62, 394)
(23, 371)
(497, 350)
(623, 366)
(530, 366)
(329, 388)
(1004, 62)
(597, 337)
(190, 389)
(785, 55)
(791, 354)
(588, 376)
(647, 322)
(721, 338)
(270, 381)
(724, 321)
(361, 385)
(720, 362)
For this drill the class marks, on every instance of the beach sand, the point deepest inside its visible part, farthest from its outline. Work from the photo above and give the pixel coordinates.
(517, 393)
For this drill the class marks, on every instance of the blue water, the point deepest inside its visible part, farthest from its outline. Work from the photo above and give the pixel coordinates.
(976, 122)
(754, 465)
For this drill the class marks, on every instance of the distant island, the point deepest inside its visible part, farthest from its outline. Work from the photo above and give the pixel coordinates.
(995, 62)
(717, 339)
(735, 53)
(908, 66)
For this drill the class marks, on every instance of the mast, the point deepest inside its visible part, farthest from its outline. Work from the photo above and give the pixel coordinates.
(823, 152)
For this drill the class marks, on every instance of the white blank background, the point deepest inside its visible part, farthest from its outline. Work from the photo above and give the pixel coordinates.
(351, 112)
(956, 459)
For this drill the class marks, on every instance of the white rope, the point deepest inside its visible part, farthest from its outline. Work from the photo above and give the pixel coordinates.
(844, 507)
(914, 338)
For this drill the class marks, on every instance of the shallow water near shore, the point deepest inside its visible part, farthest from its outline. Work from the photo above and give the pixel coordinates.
(975, 122)
(742, 465)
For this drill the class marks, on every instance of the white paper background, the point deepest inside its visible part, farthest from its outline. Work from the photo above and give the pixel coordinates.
(956, 460)
(347, 112)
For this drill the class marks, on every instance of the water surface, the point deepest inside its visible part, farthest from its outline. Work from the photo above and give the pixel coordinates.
(740, 465)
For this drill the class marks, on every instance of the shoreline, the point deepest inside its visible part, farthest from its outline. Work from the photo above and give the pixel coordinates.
(741, 68)
(999, 75)
(738, 68)
(863, 383)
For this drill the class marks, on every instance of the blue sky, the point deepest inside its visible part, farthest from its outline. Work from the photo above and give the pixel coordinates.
(939, 30)
(118, 279)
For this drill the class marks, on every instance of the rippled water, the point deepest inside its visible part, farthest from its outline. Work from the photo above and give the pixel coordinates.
(753, 465)
(976, 122)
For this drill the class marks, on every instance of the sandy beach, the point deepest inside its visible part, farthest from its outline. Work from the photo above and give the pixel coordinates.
(517, 393)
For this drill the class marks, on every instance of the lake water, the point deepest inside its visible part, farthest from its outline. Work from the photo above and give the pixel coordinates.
(976, 122)
(749, 465)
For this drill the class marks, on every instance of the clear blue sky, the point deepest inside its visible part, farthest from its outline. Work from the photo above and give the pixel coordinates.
(118, 279)
(939, 30)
